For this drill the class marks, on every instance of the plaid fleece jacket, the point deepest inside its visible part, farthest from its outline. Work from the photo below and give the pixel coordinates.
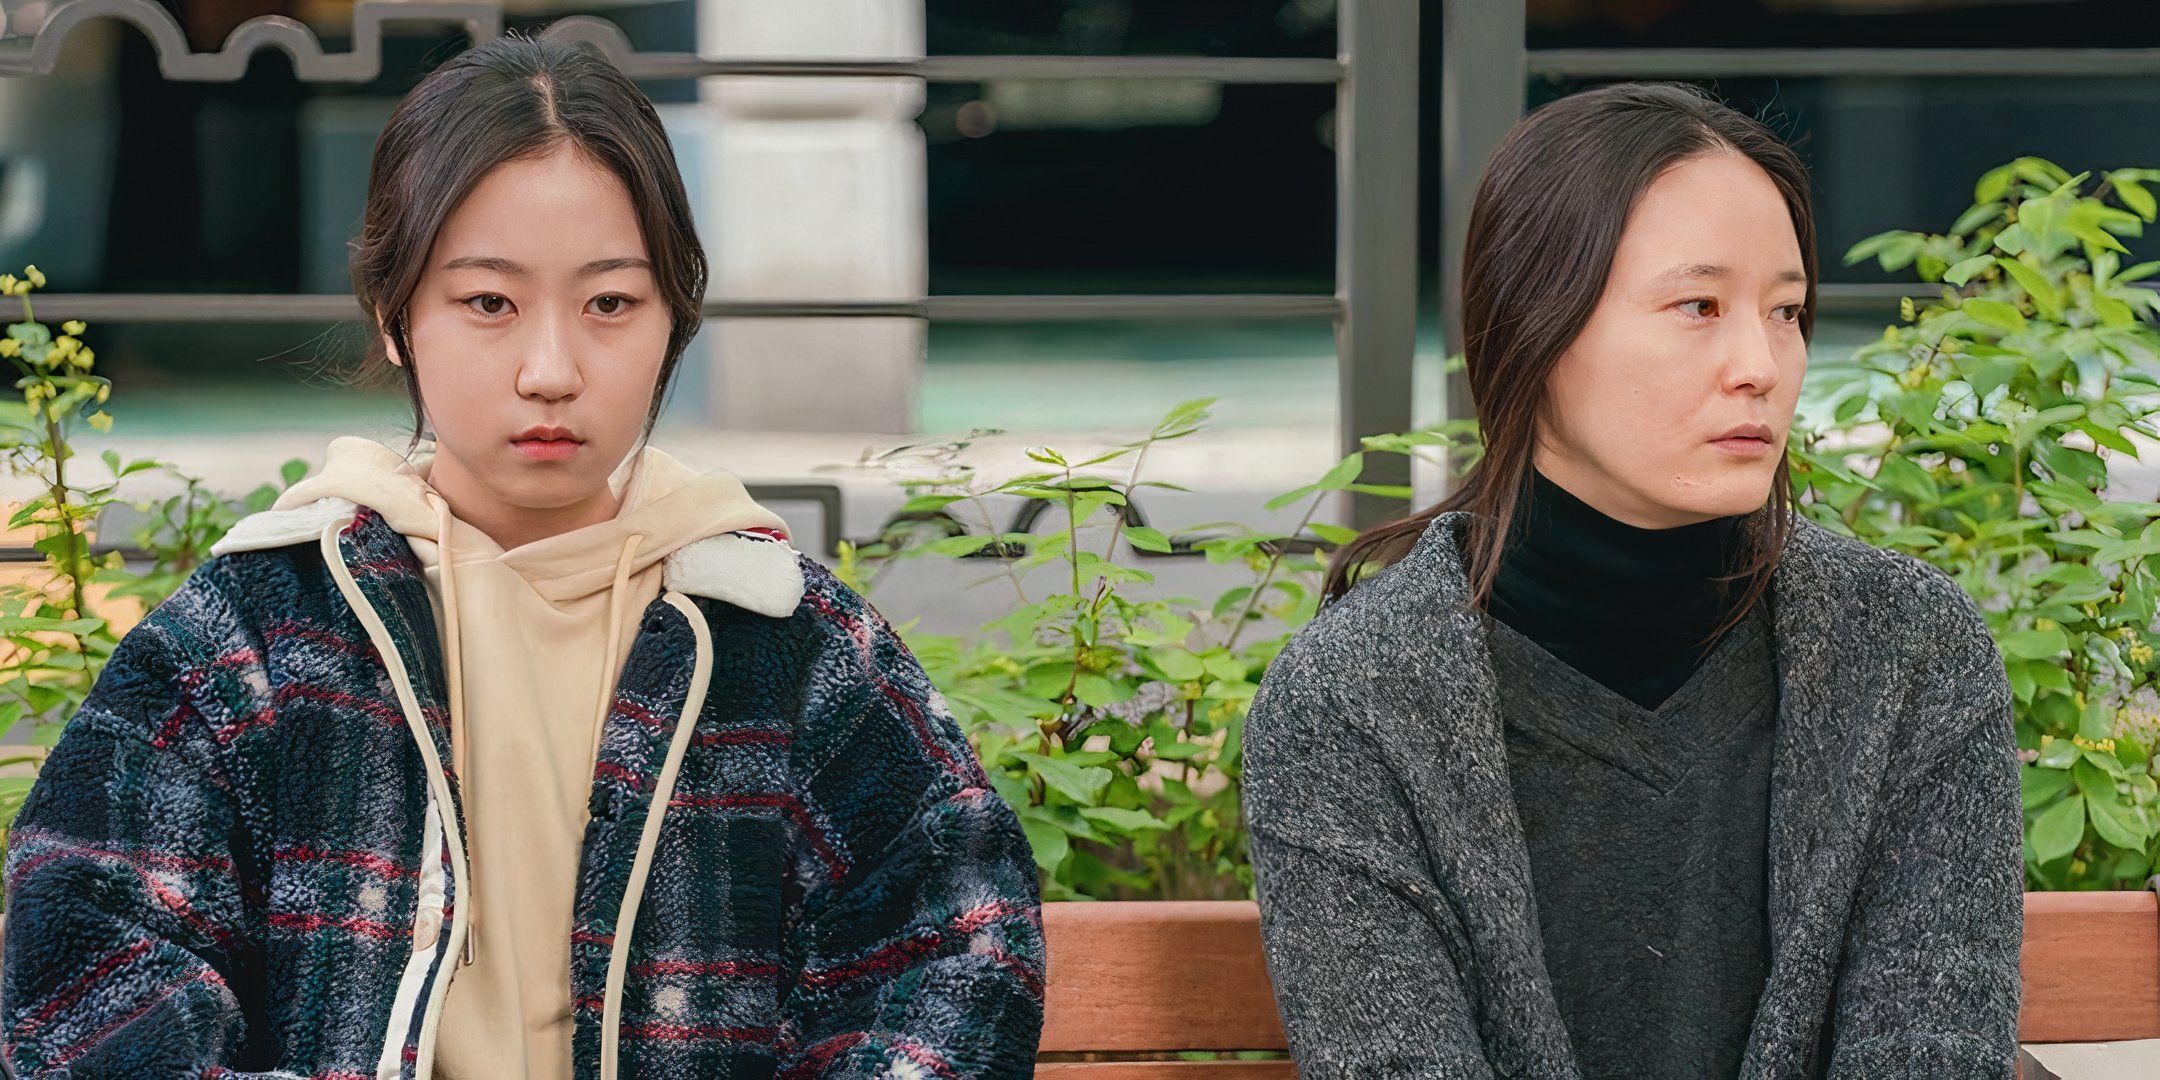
(236, 862)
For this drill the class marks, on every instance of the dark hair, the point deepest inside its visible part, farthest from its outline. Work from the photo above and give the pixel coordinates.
(1546, 221)
(511, 98)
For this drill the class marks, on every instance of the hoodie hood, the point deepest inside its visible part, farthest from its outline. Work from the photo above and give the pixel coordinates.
(666, 505)
(533, 640)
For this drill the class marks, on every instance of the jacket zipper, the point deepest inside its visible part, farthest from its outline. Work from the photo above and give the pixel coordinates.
(649, 836)
(438, 779)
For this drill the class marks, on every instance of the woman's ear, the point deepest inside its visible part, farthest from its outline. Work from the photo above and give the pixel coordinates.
(390, 348)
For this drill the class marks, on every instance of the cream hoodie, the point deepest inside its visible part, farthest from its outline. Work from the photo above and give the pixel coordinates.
(533, 639)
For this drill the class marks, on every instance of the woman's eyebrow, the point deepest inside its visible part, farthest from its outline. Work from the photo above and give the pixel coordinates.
(1713, 271)
(517, 269)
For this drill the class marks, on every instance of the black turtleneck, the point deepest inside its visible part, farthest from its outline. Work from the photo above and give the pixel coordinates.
(1624, 605)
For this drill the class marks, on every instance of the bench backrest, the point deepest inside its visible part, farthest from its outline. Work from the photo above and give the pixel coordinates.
(1131, 980)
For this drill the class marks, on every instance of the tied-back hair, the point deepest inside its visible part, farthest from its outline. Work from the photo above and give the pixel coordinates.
(1543, 229)
(507, 99)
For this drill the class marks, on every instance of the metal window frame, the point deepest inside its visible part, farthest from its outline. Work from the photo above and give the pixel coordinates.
(1375, 72)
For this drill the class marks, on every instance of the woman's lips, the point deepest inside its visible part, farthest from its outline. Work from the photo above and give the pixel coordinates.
(1742, 446)
(547, 449)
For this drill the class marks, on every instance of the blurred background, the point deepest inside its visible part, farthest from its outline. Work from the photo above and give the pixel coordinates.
(199, 223)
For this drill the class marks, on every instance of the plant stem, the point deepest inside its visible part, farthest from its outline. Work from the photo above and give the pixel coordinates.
(998, 543)
(1117, 529)
(1274, 560)
(59, 491)
(1072, 558)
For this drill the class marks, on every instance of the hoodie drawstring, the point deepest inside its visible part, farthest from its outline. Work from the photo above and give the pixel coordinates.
(451, 653)
(459, 762)
(614, 643)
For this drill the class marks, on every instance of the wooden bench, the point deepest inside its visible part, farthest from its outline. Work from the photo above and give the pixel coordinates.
(1133, 983)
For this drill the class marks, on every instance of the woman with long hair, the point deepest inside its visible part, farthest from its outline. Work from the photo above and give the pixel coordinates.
(1611, 764)
(531, 750)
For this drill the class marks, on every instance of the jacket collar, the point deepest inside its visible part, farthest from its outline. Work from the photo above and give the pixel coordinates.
(1835, 692)
(753, 569)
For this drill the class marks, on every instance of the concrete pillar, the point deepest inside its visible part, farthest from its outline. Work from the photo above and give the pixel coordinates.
(817, 190)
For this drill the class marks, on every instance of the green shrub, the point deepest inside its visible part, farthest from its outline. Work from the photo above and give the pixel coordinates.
(1113, 723)
(1978, 434)
(53, 640)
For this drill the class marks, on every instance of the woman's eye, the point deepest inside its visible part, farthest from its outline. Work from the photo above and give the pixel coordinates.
(500, 303)
(619, 304)
(1791, 312)
(1707, 308)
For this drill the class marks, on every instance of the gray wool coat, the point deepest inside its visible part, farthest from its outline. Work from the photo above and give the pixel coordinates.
(1394, 884)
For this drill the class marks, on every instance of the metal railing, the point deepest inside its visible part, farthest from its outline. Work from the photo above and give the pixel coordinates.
(1375, 74)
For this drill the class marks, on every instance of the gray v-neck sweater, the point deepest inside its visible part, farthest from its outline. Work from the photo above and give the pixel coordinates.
(1392, 869)
(1646, 831)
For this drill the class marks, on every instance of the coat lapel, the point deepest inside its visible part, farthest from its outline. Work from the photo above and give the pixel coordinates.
(389, 576)
(1473, 834)
(1839, 698)
(658, 670)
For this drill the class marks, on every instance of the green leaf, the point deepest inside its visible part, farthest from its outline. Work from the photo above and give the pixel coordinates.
(2045, 295)
(1344, 472)
(959, 545)
(2040, 786)
(2139, 272)
(1994, 313)
(1901, 475)
(1979, 214)
(2134, 196)
(1963, 270)
(2034, 644)
(1083, 786)
(2056, 832)
(1337, 535)
(1130, 821)
(1146, 539)
(1994, 183)
(1177, 665)
(1047, 840)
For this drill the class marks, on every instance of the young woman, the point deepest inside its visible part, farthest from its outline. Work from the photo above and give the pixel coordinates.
(1618, 767)
(534, 753)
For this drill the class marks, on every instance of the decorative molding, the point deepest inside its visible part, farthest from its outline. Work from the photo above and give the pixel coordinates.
(37, 53)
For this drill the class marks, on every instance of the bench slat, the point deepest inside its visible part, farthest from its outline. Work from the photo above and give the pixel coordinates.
(1157, 975)
(2092, 967)
(1166, 1070)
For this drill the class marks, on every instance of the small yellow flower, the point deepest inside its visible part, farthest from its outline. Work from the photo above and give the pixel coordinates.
(1905, 308)
(10, 347)
(7, 284)
(83, 357)
(105, 391)
(73, 326)
(2105, 746)
(2141, 654)
(36, 276)
(101, 420)
(65, 344)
